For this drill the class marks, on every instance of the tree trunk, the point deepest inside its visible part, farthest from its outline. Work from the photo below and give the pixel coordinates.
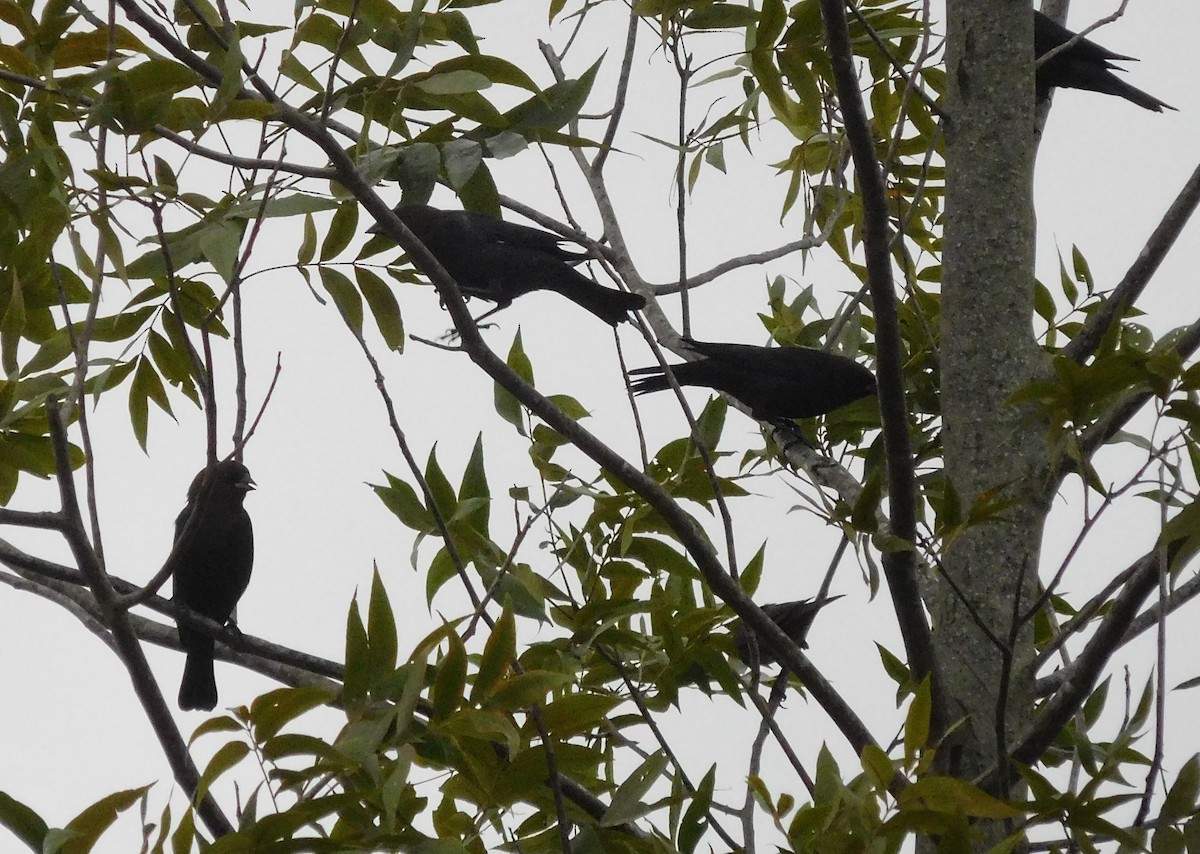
(988, 351)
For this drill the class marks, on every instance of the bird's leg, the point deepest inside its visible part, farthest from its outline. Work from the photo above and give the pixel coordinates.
(793, 434)
(452, 335)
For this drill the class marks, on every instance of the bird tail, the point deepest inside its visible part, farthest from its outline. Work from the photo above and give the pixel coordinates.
(1137, 96)
(608, 304)
(198, 689)
(794, 618)
(1108, 83)
(649, 379)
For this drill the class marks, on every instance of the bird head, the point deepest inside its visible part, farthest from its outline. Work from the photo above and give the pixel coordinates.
(236, 475)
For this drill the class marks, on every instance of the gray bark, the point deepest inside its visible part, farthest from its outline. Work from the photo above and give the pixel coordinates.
(989, 352)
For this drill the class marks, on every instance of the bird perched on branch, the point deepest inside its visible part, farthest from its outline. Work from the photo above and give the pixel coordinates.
(1084, 65)
(794, 618)
(777, 383)
(500, 261)
(214, 553)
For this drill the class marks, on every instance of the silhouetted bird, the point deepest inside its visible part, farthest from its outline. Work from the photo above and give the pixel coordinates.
(212, 569)
(775, 382)
(794, 618)
(1086, 65)
(500, 261)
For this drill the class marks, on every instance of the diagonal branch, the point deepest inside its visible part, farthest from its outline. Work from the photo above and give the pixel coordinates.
(1139, 274)
(1054, 714)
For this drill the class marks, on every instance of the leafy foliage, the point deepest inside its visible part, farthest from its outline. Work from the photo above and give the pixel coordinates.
(523, 717)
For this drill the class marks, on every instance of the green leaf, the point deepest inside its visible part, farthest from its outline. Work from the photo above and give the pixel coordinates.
(87, 827)
(273, 710)
(577, 713)
(11, 326)
(526, 689)
(752, 571)
(220, 243)
(507, 406)
(554, 108)
(345, 297)
(309, 242)
(954, 796)
(22, 822)
(719, 16)
(1181, 799)
(450, 679)
(227, 756)
(139, 411)
(474, 488)
(627, 802)
(695, 817)
(878, 766)
(381, 630)
(357, 678)
(493, 68)
(498, 654)
(153, 385)
(916, 723)
(384, 307)
(462, 158)
(439, 486)
(342, 228)
(453, 83)
(863, 516)
(405, 504)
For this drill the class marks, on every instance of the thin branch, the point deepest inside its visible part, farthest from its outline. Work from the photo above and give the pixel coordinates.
(897, 66)
(1139, 273)
(1160, 694)
(555, 779)
(131, 653)
(1079, 36)
(1053, 715)
(439, 518)
(647, 715)
(899, 566)
(618, 108)
(736, 263)
(280, 663)
(48, 520)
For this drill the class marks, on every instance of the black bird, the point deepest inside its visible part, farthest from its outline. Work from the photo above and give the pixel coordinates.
(1086, 65)
(777, 383)
(212, 569)
(500, 261)
(794, 618)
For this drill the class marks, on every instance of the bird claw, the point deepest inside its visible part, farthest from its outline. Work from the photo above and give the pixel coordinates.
(794, 436)
(454, 337)
(232, 630)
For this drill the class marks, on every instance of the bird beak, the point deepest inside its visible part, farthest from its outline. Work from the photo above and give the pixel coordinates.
(247, 484)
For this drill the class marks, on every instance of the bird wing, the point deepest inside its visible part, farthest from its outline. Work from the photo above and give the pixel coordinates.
(497, 231)
(1049, 34)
